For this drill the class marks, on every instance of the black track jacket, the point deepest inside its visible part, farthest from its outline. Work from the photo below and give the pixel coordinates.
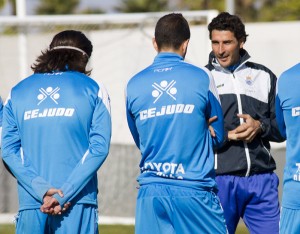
(250, 89)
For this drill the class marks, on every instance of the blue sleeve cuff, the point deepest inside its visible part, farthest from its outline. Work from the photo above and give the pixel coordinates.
(40, 187)
(67, 190)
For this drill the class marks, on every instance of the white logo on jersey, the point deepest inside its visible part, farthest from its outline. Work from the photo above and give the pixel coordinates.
(297, 174)
(51, 112)
(48, 112)
(166, 169)
(167, 110)
(296, 111)
(163, 69)
(164, 87)
(49, 92)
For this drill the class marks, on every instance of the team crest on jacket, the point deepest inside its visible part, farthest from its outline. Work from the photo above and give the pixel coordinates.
(48, 92)
(249, 80)
(164, 87)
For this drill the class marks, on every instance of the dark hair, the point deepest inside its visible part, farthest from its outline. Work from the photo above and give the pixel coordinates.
(171, 31)
(227, 22)
(63, 59)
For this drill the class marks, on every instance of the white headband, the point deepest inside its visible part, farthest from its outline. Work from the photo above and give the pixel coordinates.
(69, 47)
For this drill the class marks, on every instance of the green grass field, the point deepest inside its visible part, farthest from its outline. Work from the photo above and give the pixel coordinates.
(110, 229)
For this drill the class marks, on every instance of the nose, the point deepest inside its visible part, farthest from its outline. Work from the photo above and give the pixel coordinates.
(220, 48)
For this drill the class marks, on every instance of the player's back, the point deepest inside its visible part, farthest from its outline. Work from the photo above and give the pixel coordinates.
(53, 112)
(169, 102)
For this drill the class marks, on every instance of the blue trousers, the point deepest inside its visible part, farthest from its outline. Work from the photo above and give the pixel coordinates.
(78, 219)
(253, 198)
(165, 209)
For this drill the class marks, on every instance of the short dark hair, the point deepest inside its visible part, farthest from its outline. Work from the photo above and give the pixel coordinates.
(171, 31)
(227, 22)
(64, 59)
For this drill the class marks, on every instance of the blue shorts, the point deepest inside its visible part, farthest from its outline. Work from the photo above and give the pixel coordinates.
(78, 219)
(289, 221)
(253, 198)
(173, 209)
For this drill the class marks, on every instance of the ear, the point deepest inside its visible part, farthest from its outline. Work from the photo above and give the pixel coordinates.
(185, 46)
(241, 42)
(155, 44)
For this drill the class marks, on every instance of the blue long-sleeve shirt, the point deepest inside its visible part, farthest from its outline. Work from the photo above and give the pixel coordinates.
(288, 119)
(168, 105)
(1, 116)
(56, 133)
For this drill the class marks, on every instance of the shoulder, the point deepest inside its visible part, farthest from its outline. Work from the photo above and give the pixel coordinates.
(83, 81)
(199, 70)
(292, 72)
(97, 86)
(83, 77)
(258, 66)
(139, 78)
(26, 81)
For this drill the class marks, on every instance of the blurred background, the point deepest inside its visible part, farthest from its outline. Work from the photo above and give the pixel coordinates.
(121, 33)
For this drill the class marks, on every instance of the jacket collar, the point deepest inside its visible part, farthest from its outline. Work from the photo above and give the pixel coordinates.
(212, 60)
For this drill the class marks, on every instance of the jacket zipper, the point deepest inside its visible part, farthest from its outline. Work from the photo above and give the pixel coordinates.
(240, 110)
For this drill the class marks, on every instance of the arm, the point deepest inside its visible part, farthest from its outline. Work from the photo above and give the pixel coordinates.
(131, 123)
(13, 157)
(210, 128)
(271, 131)
(215, 109)
(99, 138)
(279, 115)
(266, 127)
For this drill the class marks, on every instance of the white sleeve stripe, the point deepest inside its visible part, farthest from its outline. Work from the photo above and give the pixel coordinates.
(22, 155)
(277, 82)
(7, 99)
(103, 94)
(84, 156)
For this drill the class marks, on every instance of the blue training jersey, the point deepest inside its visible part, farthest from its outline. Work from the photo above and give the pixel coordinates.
(288, 119)
(168, 105)
(56, 134)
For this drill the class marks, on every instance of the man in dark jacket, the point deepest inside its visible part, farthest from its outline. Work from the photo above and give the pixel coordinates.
(244, 165)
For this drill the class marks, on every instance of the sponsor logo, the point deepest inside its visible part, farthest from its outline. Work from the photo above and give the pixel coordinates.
(167, 110)
(296, 111)
(163, 69)
(53, 95)
(296, 176)
(166, 169)
(48, 92)
(53, 74)
(51, 112)
(164, 87)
